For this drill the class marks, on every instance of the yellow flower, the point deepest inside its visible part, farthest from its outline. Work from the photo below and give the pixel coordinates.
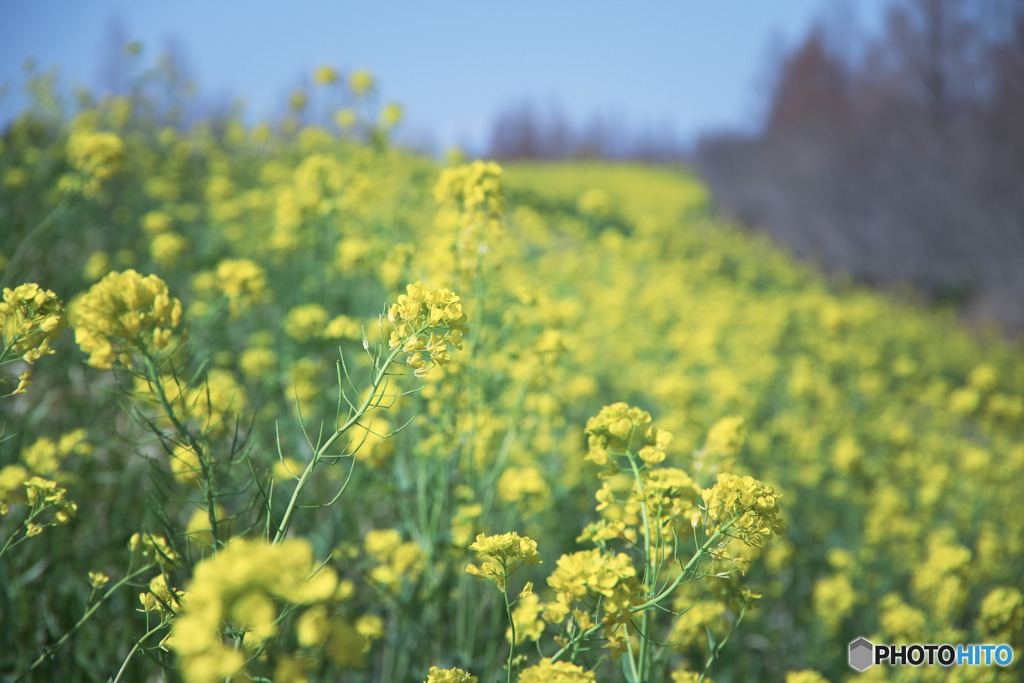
(526, 617)
(1001, 617)
(502, 554)
(242, 584)
(805, 676)
(427, 319)
(156, 222)
(346, 118)
(244, 282)
(726, 437)
(297, 100)
(155, 548)
(370, 627)
(185, 465)
(546, 671)
(161, 599)
(395, 560)
(217, 402)
(436, 675)
(30, 318)
(472, 188)
(594, 202)
(391, 115)
(360, 82)
(98, 579)
(257, 362)
(313, 627)
(98, 156)
(325, 75)
(167, 247)
(306, 322)
(613, 429)
(96, 266)
(197, 531)
(749, 508)
(124, 313)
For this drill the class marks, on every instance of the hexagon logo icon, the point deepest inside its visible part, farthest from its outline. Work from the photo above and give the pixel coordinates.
(861, 654)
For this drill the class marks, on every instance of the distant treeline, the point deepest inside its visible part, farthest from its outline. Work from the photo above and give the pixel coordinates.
(897, 158)
(528, 131)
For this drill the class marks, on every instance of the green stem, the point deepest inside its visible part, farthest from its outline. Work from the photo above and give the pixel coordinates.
(649, 577)
(353, 419)
(718, 647)
(511, 623)
(685, 570)
(9, 543)
(156, 380)
(85, 617)
(138, 644)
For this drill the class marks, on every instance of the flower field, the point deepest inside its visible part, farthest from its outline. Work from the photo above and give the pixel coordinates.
(288, 403)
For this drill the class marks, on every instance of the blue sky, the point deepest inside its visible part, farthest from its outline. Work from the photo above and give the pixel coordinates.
(693, 65)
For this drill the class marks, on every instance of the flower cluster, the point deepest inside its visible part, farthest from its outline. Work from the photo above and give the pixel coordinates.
(12, 486)
(98, 156)
(502, 555)
(468, 221)
(161, 599)
(325, 75)
(360, 82)
(526, 618)
(124, 313)
(395, 559)
(305, 322)
(749, 508)
(671, 497)
(436, 675)
(43, 494)
(240, 585)
(589, 574)
(473, 189)
(155, 549)
(30, 318)
(546, 671)
(612, 432)
(1002, 614)
(44, 456)
(427, 319)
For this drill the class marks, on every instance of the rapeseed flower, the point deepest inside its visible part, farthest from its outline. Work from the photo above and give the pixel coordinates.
(436, 675)
(502, 555)
(593, 573)
(306, 322)
(122, 314)
(167, 247)
(154, 548)
(164, 600)
(97, 156)
(325, 75)
(360, 82)
(546, 671)
(427, 319)
(748, 508)
(43, 494)
(472, 188)
(243, 584)
(243, 281)
(30, 318)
